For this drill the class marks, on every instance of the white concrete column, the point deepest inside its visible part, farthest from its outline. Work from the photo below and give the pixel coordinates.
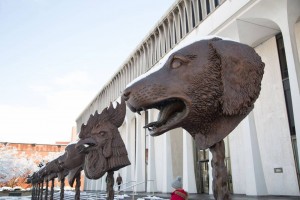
(98, 184)
(151, 184)
(129, 171)
(93, 184)
(103, 183)
(126, 171)
(210, 173)
(189, 181)
(255, 181)
(86, 183)
(292, 60)
(166, 166)
(140, 153)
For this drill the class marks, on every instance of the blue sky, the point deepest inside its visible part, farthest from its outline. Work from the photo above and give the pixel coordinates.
(55, 55)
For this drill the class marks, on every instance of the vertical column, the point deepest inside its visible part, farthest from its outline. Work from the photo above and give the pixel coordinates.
(99, 184)
(255, 181)
(140, 153)
(151, 185)
(127, 170)
(92, 185)
(103, 183)
(167, 168)
(189, 181)
(292, 59)
(210, 173)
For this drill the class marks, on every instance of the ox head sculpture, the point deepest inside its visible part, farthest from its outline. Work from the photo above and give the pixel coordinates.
(206, 88)
(100, 140)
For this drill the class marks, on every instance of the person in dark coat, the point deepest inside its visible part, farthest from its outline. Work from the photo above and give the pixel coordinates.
(119, 181)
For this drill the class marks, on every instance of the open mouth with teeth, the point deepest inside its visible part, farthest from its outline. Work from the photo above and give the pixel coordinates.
(172, 112)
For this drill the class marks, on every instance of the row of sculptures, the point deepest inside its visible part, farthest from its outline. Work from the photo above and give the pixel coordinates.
(207, 88)
(100, 149)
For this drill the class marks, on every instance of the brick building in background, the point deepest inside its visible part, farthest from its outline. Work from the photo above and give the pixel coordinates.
(40, 153)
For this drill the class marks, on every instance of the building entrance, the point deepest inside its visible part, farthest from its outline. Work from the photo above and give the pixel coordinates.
(202, 174)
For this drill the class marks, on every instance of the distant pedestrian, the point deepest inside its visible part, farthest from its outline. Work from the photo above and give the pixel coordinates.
(119, 181)
(178, 193)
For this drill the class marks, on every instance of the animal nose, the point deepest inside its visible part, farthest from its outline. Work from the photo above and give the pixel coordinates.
(126, 94)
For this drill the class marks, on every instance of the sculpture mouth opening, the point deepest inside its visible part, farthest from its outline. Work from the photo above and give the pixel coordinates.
(84, 148)
(172, 112)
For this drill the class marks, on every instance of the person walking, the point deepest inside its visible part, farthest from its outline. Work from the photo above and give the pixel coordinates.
(119, 181)
(179, 193)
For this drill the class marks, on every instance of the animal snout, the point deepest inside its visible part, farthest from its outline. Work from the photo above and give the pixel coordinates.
(126, 95)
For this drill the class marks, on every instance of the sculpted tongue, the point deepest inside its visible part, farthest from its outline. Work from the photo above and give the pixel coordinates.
(165, 114)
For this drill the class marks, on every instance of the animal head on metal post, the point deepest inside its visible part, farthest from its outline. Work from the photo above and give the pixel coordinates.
(41, 174)
(207, 88)
(53, 169)
(72, 160)
(100, 140)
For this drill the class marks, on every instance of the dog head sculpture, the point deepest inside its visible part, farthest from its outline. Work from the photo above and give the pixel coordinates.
(72, 160)
(101, 141)
(206, 88)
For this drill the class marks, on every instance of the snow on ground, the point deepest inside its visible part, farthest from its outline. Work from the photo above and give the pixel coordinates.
(69, 195)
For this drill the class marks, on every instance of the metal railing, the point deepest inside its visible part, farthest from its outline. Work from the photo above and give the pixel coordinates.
(121, 185)
(134, 187)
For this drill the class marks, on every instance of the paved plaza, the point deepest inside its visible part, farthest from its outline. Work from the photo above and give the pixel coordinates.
(93, 195)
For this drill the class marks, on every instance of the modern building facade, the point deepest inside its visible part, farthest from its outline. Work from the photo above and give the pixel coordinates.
(261, 153)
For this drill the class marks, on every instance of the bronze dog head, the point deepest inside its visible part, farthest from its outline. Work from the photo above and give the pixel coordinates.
(206, 88)
(72, 160)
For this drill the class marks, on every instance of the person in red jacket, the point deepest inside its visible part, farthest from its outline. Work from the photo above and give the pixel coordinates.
(178, 193)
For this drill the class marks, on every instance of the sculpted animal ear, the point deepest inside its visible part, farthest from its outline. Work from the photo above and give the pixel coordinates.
(241, 72)
(107, 151)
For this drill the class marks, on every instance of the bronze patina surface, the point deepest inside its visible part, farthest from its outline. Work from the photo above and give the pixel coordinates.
(207, 88)
(101, 142)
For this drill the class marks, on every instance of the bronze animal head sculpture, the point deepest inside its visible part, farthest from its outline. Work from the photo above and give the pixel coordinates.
(52, 167)
(72, 158)
(72, 161)
(100, 140)
(206, 88)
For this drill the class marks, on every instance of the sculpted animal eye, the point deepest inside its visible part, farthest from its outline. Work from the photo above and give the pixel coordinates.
(176, 63)
(102, 133)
